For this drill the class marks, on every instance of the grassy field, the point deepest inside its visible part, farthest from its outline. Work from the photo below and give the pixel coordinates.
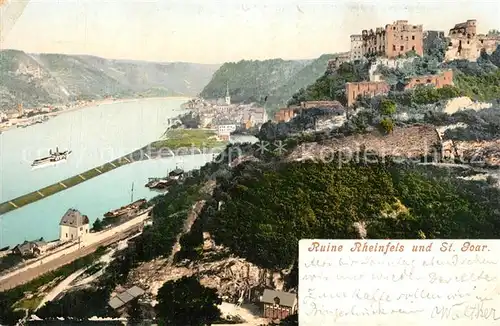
(199, 138)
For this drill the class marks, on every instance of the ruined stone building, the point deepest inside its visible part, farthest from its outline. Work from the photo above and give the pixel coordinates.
(285, 114)
(445, 78)
(335, 63)
(356, 47)
(392, 40)
(466, 44)
(370, 89)
(365, 88)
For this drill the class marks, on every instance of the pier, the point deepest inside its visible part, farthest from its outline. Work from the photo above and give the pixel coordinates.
(146, 153)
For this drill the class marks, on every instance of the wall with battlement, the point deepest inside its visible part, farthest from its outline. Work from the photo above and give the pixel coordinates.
(445, 78)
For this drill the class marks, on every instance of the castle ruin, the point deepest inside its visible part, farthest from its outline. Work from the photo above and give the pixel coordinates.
(466, 44)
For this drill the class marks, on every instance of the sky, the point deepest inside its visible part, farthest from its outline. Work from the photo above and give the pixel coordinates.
(217, 31)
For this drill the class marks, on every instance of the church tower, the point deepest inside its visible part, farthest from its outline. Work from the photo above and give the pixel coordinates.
(228, 97)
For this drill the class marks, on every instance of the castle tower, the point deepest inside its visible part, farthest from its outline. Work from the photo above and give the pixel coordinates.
(228, 97)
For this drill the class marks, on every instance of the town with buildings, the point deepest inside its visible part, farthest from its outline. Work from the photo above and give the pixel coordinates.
(389, 47)
(226, 117)
(22, 117)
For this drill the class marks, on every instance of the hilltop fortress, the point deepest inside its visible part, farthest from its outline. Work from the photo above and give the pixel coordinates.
(397, 39)
(466, 44)
(395, 45)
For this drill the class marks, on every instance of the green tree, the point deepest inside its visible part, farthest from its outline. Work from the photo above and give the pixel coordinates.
(135, 313)
(387, 125)
(387, 107)
(98, 225)
(187, 302)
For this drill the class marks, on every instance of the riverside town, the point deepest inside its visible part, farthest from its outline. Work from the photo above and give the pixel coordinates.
(146, 182)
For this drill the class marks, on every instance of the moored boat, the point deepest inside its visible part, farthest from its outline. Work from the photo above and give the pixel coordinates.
(126, 210)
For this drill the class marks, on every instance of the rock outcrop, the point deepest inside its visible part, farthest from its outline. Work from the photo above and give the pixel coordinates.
(464, 103)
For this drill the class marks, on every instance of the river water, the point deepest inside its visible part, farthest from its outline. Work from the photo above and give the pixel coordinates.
(96, 135)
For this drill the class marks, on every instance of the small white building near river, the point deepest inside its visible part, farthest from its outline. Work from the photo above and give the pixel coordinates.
(73, 225)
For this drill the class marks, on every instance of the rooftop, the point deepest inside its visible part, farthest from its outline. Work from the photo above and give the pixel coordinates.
(74, 218)
(126, 296)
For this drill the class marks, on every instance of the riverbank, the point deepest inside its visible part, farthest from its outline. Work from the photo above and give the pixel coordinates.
(175, 139)
(14, 122)
(89, 244)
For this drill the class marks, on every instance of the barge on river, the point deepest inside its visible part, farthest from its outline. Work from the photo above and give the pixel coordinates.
(164, 183)
(126, 210)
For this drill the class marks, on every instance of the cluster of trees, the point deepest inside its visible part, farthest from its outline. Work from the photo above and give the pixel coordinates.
(251, 80)
(190, 120)
(267, 82)
(187, 302)
(267, 209)
(331, 86)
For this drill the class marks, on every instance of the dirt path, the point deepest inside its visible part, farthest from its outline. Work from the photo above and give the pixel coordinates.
(163, 270)
(60, 287)
(188, 223)
(248, 312)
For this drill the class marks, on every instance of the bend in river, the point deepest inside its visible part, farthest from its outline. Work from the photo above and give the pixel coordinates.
(95, 135)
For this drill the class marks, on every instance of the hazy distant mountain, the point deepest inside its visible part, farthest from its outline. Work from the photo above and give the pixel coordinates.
(36, 79)
(254, 80)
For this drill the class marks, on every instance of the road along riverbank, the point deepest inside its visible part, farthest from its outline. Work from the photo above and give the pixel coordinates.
(87, 246)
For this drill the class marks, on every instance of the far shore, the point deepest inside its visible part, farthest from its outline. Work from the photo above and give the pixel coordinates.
(94, 103)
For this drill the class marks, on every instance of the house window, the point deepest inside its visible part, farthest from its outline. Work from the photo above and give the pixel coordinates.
(86, 231)
(66, 235)
(429, 81)
(277, 301)
(71, 236)
(394, 47)
(81, 228)
(413, 48)
(413, 37)
(402, 47)
(401, 37)
(417, 80)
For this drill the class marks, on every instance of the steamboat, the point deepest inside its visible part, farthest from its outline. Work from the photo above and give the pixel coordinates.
(53, 159)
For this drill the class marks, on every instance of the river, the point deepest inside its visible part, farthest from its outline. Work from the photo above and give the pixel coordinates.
(96, 135)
